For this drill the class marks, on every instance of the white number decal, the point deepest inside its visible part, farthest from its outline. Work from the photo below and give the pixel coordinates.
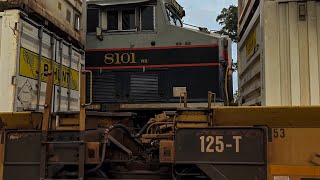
(237, 138)
(210, 144)
(202, 143)
(220, 144)
(210, 139)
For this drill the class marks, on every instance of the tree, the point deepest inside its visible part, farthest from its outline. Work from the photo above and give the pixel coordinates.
(228, 19)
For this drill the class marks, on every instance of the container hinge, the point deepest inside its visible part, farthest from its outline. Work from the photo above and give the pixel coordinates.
(14, 80)
(16, 26)
(302, 10)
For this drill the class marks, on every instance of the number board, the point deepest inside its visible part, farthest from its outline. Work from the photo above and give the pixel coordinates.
(221, 145)
(172, 56)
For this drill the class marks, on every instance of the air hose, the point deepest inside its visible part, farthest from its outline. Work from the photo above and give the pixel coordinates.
(105, 141)
(104, 146)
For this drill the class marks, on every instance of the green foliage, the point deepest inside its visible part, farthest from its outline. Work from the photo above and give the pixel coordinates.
(228, 19)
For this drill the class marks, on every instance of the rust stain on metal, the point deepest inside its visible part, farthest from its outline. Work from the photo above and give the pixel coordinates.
(161, 117)
(92, 153)
(315, 159)
(2, 124)
(166, 152)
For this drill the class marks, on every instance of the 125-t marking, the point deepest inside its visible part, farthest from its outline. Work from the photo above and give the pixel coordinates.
(210, 144)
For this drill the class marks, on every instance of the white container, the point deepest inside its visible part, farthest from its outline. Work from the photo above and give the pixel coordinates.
(20, 42)
(68, 15)
(278, 52)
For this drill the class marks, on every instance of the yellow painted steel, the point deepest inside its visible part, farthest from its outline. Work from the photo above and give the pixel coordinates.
(192, 118)
(294, 146)
(21, 120)
(294, 138)
(192, 125)
(285, 170)
(302, 116)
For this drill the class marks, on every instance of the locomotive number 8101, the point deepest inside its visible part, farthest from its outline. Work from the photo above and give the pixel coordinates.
(120, 58)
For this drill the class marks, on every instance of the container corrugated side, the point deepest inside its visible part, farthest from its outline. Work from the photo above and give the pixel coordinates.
(250, 57)
(286, 52)
(249, 67)
(65, 14)
(24, 79)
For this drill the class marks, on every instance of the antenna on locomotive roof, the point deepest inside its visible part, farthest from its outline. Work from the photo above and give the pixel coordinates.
(200, 28)
(190, 25)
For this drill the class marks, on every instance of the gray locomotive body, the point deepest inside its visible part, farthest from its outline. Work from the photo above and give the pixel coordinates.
(142, 56)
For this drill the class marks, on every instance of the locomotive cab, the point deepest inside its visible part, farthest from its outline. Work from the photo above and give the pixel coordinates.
(142, 56)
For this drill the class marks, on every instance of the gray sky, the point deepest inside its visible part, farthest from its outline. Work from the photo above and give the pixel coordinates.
(204, 13)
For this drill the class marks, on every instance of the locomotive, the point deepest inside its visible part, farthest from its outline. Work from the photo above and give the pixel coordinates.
(143, 58)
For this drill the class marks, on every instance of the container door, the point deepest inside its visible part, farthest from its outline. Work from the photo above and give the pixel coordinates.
(34, 43)
(56, 55)
(68, 64)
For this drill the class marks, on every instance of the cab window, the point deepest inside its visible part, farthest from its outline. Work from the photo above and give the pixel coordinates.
(92, 20)
(121, 20)
(112, 20)
(129, 19)
(132, 19)
(147, 18)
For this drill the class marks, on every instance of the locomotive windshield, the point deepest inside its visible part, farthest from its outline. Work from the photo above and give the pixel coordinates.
(136, 18)
(173, 18)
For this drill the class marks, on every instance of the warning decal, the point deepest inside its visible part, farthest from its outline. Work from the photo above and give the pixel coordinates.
(29, 67)
(251, 43)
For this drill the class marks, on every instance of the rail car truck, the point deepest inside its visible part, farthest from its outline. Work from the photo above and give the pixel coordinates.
(239, 143)
(142, 57)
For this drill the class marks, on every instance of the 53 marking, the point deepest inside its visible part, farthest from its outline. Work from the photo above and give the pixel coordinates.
(279, 133)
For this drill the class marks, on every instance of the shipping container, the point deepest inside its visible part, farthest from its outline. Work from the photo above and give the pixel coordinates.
(22, 42)
(67, 15)
(278, 52)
